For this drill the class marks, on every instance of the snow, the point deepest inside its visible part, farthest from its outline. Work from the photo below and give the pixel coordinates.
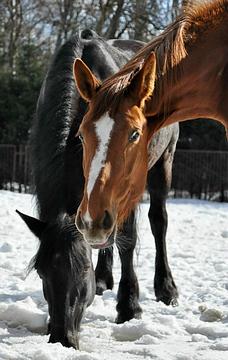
(195, 330)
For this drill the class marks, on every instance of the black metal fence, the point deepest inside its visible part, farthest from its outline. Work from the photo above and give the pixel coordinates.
(196, 174)
(201, 175)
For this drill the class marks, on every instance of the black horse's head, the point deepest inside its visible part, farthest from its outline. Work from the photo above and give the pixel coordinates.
(63, 263)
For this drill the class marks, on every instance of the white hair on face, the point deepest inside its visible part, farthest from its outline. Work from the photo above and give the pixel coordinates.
(103, 129)
(88, 218)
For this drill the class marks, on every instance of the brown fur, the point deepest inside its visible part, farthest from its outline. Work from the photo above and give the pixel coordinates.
(131, 159)
(171, 48)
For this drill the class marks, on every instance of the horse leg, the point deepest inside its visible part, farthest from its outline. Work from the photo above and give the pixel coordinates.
(103, 272)
(128, 292)
(159, 181)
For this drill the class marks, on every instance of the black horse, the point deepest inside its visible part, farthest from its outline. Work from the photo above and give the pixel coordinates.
(63, 260)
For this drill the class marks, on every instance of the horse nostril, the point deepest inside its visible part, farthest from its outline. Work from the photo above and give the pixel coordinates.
(79, 222)
(107, 221)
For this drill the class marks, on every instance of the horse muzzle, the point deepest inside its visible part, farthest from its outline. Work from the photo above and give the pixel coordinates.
(99, 234)
(109, 242)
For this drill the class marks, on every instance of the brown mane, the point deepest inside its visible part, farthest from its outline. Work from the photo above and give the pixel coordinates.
(170, 49)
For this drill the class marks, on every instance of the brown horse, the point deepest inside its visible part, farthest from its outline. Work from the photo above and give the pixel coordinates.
(182, 74)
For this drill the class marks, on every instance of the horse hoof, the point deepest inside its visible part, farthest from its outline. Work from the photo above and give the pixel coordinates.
(174, 302)
(166, 292)
(167, 300)
(104, 284)
(122, 318)
(101, 287)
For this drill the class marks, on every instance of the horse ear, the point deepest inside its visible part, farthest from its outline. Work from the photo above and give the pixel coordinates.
(141, 86)
(86, 82)
(36, 226)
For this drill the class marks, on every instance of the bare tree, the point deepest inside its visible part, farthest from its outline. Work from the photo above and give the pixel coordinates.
(140, 19)
(12, 27)
(175, 9)
(115, 20)
(48, 23)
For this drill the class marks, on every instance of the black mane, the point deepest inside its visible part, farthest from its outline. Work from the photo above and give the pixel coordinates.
(55, 113)
(61, 245)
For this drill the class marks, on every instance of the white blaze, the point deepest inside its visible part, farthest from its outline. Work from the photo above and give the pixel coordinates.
(103, 128)
(88, 218)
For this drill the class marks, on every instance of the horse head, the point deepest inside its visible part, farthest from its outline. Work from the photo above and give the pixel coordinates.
(58, 262)
(115, 138)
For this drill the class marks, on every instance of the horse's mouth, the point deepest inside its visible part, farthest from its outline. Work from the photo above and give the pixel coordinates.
(108, 243)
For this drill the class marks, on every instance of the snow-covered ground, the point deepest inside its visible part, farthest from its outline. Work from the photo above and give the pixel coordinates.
(197, 329)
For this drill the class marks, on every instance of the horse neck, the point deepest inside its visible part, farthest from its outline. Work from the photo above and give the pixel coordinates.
(195, 88)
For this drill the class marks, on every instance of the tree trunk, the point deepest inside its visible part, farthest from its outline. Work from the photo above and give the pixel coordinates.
(175, 9)
(15, 24)
(114, 25)
(140, 20)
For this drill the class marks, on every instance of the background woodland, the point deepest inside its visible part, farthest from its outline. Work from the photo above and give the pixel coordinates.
(31, 31)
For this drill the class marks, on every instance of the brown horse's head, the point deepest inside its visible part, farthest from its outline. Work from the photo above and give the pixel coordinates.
(114, 138)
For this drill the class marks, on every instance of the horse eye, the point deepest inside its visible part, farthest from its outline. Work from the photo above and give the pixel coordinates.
(134, 136)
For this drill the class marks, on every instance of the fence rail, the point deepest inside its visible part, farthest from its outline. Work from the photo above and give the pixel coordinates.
(196, 174)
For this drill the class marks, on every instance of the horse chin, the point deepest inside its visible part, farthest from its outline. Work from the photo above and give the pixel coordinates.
(109, 242)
